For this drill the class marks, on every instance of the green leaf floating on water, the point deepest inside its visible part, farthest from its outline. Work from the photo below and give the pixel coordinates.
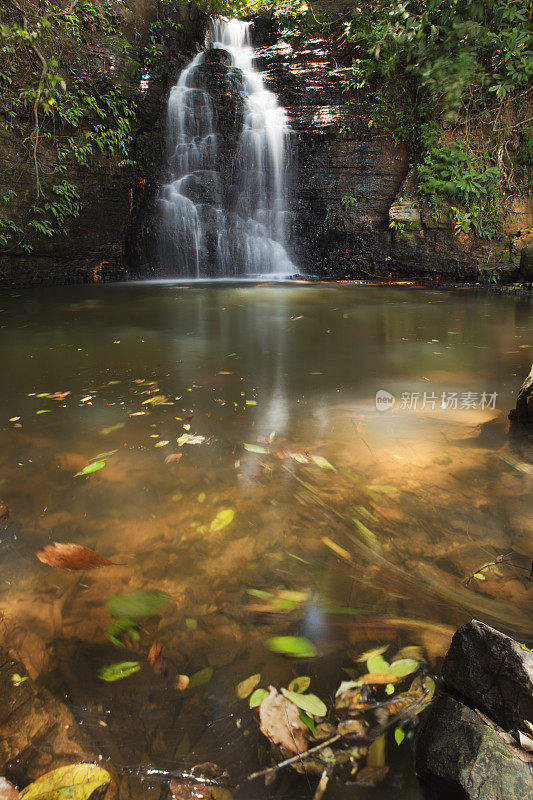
(222, 519)
(309, 703)
(296, 646)
(257, 697)
(115, 672)
(92, 467)
(73, 782)
(404, 667)
(376, 663)
(136, 605)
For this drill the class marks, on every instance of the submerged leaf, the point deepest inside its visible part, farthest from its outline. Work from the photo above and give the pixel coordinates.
(254, 448)
(300, 685)
(309, 703)
(155, 657)
(296, 646)
(136, 605)
(201, 677)
(71, 556)
(73, 782)
(115, 672)
(323, 463)
(246, 687)
(222, 519)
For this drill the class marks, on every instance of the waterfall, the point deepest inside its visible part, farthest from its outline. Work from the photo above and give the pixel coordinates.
(224, 207)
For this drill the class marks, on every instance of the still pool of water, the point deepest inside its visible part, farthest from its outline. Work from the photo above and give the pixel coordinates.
(351, 526)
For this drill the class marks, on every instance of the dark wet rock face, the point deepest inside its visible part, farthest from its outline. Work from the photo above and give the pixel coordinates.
(493, 671)
(340, 155)
(468, 745)
(523, 413)
(37, 731)
(459, 757)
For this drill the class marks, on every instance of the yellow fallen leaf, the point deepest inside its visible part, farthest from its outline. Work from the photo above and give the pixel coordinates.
(73, 782)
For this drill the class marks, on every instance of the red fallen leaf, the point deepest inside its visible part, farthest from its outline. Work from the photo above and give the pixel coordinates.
(71, 556)
(189, 417)
(156, 659)
(173, 457)
(190, 791)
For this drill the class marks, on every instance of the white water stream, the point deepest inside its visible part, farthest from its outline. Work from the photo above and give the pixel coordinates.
(225, 214)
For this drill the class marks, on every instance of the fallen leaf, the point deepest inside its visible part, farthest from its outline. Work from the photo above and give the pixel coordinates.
(379, 677)
(323, 463)
(299, 685)
(162, 443)
(73, 782)
(71, 556)
(376, 651)
(156, 400)
(399, 736)
(246, 687)
(404, 667)
(94, 466)
(296, 646)
(136, 605)
(172, 457)
(377, 663)
(257, 697)
(201, 677)
(115, 672)
(340, 551)
(222, 519)
(309, 703)
(281, 723)
(254, 448)
(189, 438)
(155, 657)
(112, 428)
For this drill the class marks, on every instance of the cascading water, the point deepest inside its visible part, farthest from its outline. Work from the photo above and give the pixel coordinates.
(224, 208)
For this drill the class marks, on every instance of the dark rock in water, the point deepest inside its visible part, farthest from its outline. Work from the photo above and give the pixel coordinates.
(37, 731)
(459, 757)
(523, 413)
(493, 672)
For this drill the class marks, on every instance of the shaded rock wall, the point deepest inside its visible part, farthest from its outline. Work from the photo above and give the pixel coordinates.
(93, 248)
(340, 155)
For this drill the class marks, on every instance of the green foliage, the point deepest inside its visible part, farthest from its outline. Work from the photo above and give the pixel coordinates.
(427, 65)
(46, 83)
(446, 49)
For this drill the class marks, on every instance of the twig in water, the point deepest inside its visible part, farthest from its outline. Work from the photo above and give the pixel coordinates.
(294, 759)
